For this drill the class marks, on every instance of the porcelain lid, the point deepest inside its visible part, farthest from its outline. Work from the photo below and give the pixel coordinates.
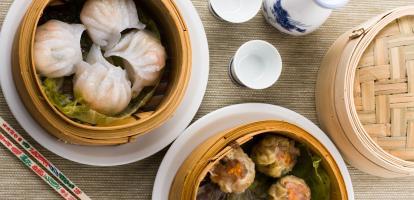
(332, 4)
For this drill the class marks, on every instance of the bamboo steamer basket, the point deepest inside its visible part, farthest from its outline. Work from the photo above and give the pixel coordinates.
(160, 108)
(362, 94)
(197, 165)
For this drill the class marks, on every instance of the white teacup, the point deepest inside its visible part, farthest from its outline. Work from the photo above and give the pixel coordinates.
(235, 11)
(256, 65)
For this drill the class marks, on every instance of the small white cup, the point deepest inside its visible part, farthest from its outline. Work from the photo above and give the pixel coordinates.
(235, 11)
(256, 65)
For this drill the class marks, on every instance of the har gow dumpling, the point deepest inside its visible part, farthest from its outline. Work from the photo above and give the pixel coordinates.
(57, 48)
(106, 19)
(102, 86)
(145, 57)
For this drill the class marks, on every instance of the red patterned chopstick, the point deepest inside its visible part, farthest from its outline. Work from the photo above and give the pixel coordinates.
(35, 168)
(42, 160)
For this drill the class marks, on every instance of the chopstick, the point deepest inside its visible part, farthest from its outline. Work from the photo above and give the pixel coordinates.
(40, 158)
(35, 168)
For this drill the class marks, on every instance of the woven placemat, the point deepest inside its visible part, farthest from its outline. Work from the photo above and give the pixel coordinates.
(295, 90)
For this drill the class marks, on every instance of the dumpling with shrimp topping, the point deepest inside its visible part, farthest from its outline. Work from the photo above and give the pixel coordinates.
(234, 173)
(290, 188)
(275, 156)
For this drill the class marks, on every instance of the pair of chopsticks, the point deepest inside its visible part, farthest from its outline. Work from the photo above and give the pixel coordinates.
(77, 193)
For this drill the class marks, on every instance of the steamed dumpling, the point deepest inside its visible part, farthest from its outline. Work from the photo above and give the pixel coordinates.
(234, 173)
(106, 19)
(274, 155)
(290, 188)
(102, 86)
(145, 57)
(57, 48)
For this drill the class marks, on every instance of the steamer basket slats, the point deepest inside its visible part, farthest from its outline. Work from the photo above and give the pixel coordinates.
(160, 108)
(369, 107)
(387, 88)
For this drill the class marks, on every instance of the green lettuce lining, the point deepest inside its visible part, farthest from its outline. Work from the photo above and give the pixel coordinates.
(75, 109)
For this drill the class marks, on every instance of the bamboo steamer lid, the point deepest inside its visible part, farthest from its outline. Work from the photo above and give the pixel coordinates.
(160, 108)
(203, 158)
(358, 88)
(384, 88)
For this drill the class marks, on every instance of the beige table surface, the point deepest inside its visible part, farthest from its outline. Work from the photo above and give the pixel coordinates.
(295, 90)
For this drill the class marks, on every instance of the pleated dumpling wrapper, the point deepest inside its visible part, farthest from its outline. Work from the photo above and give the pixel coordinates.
(274, 155)
(145, 56)
(104, 87)
(290, 188)
(106, 19)
(234, 173)
(57, 48)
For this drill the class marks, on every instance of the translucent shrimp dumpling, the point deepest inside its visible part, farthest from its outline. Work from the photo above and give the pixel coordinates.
(274, 155)
(57, 48)
(290, 188)
(234, 173)
(145, 57)
(106, 19)
(102, 86)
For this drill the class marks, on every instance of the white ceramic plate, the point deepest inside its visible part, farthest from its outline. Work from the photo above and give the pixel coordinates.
(227, 118)
(145, 145)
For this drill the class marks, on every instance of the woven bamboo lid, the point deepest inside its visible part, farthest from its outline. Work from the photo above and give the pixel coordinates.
(384, 88)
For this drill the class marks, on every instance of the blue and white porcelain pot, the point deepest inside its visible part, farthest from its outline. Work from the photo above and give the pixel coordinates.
(299, 17)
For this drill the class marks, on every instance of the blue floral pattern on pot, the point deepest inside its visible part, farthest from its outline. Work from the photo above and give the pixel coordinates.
(298, 17)
(283, 18)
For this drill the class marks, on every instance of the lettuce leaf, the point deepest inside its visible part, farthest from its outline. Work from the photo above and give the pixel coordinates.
(309, 169)
(74, 109)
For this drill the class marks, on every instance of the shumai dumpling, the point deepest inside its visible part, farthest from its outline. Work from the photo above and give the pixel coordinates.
(274, 155)
(106, 19)
(145, 58)
(234, 173)
(290, 188)
(57, 48)
(102, 86)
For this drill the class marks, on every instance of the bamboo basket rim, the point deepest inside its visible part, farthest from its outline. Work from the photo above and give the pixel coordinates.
(197, 164)
(104, 135)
